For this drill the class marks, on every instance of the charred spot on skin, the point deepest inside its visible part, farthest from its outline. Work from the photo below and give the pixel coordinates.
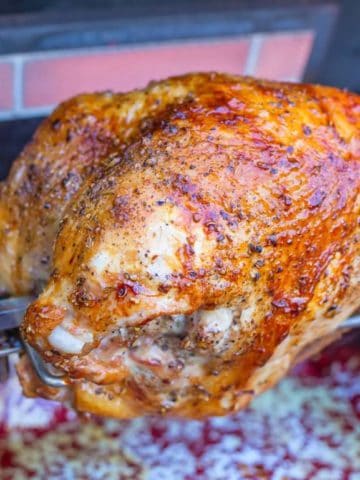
(121, 291)
(80, 281)
(188, 250)
(259, 263)
(164, 288)
(45, 260)
(81, 208)
(193, 275)
(173, 397)
(304, 284)
(287, 200)
(82, 297)
(332, 309)
(176, 365)
(224, 215)
(253, 248)
(32, 172)
(263, 165)
(55, 274)
(69, 136)
(211, 227)
(169, 128)
(56, 124)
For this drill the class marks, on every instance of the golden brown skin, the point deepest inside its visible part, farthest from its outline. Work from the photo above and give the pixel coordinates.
(216, 237)
(68, 146)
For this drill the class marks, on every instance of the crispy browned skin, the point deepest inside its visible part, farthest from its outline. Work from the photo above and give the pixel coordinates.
(217, 236)
(65, 150)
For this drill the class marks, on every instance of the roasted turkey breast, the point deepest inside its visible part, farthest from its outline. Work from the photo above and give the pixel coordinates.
(191, 239)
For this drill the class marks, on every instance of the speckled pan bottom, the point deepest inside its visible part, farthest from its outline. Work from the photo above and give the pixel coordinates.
(306, 428)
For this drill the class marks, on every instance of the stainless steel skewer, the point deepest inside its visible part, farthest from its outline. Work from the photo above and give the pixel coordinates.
(42, 370)
(11, 313)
